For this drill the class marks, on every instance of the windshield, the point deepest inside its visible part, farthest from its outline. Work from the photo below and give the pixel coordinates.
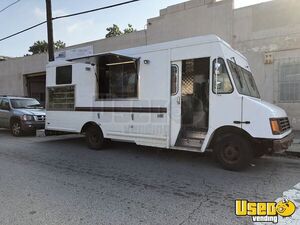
(25, 103)
(243, 80)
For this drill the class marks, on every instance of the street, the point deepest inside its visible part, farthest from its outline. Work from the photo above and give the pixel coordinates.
(51, 180)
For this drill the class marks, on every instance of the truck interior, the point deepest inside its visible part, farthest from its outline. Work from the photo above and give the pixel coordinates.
(117, 75)
(195, 101)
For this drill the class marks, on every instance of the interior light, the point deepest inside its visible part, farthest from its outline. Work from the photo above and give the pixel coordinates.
(120, 63)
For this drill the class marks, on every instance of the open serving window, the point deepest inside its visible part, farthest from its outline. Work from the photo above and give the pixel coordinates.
(117, 75)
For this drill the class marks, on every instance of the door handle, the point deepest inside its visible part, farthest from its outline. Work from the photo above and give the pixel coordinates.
(240, 122)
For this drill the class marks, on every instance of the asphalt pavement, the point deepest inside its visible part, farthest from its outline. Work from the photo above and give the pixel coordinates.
(57, 180)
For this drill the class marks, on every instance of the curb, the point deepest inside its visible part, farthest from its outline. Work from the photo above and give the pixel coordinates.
(294, 150)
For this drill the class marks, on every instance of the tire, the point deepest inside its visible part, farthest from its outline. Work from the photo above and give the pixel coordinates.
(94, 137)
(16, 128)
(233, 152)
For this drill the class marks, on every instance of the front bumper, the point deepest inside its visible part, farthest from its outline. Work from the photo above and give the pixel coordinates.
(33, 125)
(283, 144)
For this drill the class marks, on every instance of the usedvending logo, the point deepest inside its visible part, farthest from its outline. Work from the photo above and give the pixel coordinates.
(265, 211)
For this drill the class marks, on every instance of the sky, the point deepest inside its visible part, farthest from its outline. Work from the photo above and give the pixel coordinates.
(78, 29)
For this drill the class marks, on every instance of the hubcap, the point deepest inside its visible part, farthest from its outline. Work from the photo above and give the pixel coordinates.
(16, 128)
(94, 137)
(231, 154)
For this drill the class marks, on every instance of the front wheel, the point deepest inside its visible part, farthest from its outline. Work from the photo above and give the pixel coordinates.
(234, 152)
(94, 137)
(16, 128)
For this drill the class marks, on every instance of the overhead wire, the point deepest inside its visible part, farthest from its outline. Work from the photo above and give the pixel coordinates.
(10, 5)
(67, 16)
(96, 9)
(22, 31)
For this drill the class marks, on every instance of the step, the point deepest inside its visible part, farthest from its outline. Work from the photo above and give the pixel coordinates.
(190, 142)
(194, 134)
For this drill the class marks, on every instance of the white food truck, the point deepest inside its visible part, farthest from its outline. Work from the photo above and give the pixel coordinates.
(192, 94)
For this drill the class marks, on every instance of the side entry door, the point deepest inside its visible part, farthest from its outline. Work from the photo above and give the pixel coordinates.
(1, 122)
(4, 113)
(176, 74)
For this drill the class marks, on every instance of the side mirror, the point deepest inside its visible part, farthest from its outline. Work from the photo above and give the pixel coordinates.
(217, 67)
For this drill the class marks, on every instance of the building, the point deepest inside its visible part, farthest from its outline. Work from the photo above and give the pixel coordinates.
(268, 34)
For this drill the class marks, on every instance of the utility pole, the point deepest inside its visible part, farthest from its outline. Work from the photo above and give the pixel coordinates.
(50, 31)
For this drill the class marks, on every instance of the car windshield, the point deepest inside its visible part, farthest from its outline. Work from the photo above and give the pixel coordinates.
(243, 80)
(25, 103)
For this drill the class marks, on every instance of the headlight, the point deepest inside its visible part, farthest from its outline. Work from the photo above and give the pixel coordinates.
(27, 118)
(275, 126)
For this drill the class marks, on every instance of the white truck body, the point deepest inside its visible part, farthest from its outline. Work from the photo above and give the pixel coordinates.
(155, 117)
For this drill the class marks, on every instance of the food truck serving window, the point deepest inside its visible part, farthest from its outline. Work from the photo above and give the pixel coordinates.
(118, 77)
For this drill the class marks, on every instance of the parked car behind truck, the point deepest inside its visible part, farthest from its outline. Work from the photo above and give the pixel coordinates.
(192, 94)
(21, 115)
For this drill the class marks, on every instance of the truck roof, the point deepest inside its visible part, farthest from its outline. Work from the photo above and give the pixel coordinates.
(161, 46)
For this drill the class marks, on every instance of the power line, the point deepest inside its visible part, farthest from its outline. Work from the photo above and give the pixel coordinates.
(10, 5)
(68, 15)
(94, 10)
(22, 31)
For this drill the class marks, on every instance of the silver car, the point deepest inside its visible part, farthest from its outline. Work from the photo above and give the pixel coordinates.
(21, 115)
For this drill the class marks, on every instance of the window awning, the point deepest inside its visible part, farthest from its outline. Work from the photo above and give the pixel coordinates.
(106, 58)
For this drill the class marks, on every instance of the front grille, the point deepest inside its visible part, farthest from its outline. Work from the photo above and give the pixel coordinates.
(40, 118)
(284, 124)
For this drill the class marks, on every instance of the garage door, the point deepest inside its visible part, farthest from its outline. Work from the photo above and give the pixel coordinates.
(36, 85)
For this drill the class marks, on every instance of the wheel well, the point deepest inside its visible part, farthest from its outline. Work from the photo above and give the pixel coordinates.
(13, 119)
(87, 125)
(229, 130)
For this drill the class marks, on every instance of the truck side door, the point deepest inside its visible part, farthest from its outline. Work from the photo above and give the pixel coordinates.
(225, 103)
(1, 123)
(176, 74)
(4, 113)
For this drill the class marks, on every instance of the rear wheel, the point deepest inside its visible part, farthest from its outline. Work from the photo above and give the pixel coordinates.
(234, 152)
(16, 129)
(94, 137)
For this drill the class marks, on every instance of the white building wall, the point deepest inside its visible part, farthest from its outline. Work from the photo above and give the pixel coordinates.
(12, 71)
(192, 18)
(271, 29)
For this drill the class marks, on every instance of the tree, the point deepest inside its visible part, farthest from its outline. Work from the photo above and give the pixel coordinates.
(59, 45)
(115, 30)
(42, 46)
(38, 47)
(129, 29)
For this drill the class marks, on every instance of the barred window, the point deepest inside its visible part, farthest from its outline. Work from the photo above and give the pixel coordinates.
(61, 98)
(289, 83)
